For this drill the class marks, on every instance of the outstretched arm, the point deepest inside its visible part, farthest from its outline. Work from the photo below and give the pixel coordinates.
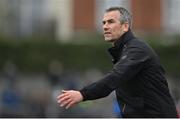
(122, 72)
(69, 97)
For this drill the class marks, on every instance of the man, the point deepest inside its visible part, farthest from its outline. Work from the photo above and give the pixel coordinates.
(137, 75)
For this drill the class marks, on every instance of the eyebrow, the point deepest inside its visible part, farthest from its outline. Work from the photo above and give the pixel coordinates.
(107, 20)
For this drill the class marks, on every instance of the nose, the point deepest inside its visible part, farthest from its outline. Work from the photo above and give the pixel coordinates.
(105, 26)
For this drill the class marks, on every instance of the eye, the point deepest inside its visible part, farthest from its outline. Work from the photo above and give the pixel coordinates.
(103, 22)
(111, 21)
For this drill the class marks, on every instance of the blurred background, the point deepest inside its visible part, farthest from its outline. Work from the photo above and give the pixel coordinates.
(50, 45)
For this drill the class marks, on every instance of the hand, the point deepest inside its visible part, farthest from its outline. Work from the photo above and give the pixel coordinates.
(69, 97)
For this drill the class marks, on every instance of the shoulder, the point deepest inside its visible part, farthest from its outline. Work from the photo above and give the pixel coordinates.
(140, 45)
(137, 46)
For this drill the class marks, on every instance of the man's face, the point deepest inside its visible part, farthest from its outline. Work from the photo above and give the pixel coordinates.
(112, 28)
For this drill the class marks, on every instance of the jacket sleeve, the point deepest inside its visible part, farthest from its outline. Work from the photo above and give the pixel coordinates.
(133, 59)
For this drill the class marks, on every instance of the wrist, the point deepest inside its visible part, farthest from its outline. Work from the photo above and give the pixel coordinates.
(80, 96)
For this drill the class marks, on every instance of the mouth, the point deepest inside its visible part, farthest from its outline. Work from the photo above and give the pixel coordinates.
(107, 33)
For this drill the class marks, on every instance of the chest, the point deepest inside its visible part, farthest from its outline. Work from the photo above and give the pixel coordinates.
(117, 54)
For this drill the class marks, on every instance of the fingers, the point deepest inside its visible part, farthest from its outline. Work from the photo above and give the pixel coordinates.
(65, 103)
(64, 91)
(62, 95)
(70, 104)
(68, 98)
(64, 99)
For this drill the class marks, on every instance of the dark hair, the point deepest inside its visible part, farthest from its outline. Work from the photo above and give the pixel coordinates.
(125, 15)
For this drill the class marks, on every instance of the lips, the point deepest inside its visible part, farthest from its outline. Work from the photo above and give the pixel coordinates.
(107, 33)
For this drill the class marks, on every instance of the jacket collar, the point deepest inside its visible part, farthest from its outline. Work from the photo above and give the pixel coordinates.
(119, 44)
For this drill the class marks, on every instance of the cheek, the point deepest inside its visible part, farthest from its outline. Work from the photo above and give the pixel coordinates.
(117, 31)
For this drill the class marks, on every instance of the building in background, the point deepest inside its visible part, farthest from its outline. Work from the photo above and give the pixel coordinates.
(170, 16)
(146, 15)
(63, 18)
(9, 17)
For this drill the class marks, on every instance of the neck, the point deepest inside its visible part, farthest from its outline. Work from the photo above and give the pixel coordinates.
(113, 43)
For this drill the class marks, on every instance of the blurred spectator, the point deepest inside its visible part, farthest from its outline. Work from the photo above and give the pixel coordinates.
(11, 101)
(10, 97)
(10, 71)
(55, 71)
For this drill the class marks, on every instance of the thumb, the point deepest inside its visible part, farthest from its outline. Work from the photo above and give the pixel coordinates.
(64, 91)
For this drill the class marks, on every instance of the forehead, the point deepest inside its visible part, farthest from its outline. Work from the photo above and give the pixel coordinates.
(111, 15)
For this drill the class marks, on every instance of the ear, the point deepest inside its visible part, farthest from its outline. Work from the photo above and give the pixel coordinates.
(125, 27)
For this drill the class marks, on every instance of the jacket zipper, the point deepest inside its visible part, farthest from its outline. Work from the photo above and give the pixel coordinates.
(123, 109)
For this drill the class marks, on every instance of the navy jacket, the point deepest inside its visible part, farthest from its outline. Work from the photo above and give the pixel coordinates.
(138, 80)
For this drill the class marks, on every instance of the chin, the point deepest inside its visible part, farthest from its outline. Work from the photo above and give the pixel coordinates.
(109, 40)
